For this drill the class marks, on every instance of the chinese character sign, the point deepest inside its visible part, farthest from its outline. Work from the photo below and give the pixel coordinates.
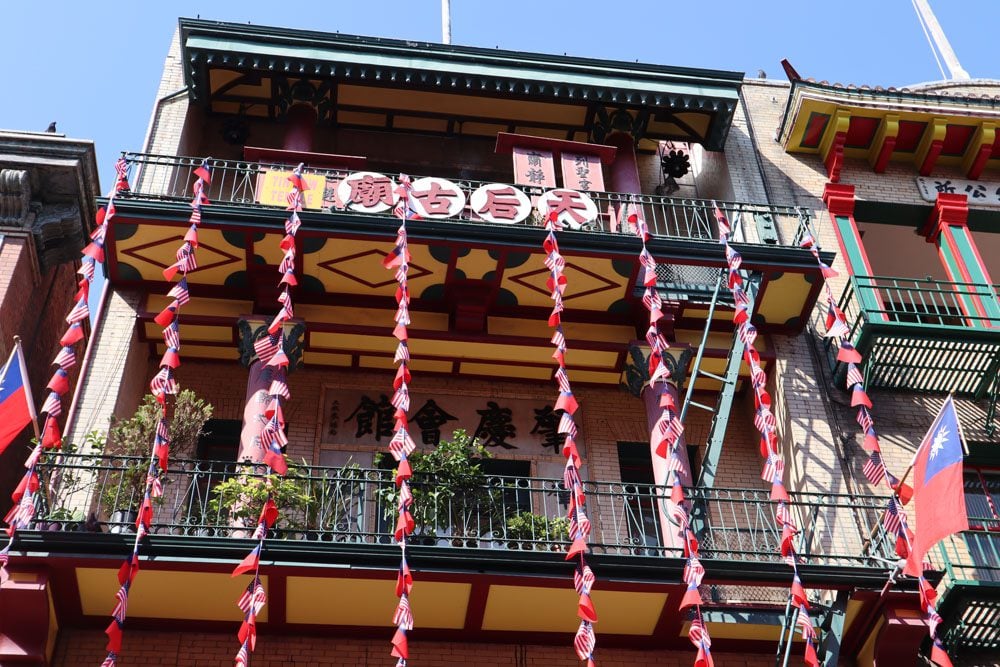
(582, 172)
(574, 209)
(272, 189)
(515, 425)
(535, 167)
(368, 192)
(437, 198)
(979, 193)
(496, 202)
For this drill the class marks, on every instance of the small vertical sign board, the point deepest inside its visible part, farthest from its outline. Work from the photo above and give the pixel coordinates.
(582, 172)
(534, 167)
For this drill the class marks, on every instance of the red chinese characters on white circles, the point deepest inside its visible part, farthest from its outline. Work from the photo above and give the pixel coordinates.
(498, 202)
(368, 192)
(433, 197)
(574, 209)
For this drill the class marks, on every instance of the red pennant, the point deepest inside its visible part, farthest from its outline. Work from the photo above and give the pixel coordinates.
(667, 401)
(276, 461)
(400, 649)
(101, 213)
(586, 609)
(166, 315)
(162, 453)
(690, 544)
(28, 483)
(203, 173)
(170, 358)
(128, 570)
(778, 492)
(692, 598)
(400, 332)
(403, 472)
(404, 525)
(904, 491)
(95, 251)
(704, 658)
(787, 535)
(848, 355)
(859, 397)
(248, 632)
(287, 242)
(677, 493)
(871, 443)
(927, 594)
(288, 278)
(52, 438)
(114, 633)
(72, 336)
(578, 547)
(269, 513)
(810, 656)
(402, 375)
(145, 517)
(939, 656)
(570, 451)
(566, 402)
(249, 563)
(799, 598)
(404, 581)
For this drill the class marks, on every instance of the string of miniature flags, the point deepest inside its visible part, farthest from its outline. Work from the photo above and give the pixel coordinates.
(270, 351)
(161, 386)
(401, 445)
(765, 423)
(665, 443)
(875, 469)
(23, 509)
(585, 641)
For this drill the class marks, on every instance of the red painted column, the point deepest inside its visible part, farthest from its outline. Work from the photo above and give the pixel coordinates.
(624, 175)
(300, 128)
(671, 534)
(839, 200)
(258, 383)
(948, 229)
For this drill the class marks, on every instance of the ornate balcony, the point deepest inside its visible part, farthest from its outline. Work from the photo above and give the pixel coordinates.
(354, 506)
(926, 336)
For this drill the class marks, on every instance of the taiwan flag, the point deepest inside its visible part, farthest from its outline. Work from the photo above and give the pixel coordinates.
(938, 496)
(17, 408)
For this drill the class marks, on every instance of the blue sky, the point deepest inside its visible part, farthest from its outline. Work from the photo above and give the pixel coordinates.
(94, 66)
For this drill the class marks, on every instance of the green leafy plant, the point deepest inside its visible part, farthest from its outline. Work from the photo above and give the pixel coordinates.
(238, 501)
(450, 489)
(123, 487)
(529, 526)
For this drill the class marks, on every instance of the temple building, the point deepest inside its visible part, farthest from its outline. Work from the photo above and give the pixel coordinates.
(809, 263)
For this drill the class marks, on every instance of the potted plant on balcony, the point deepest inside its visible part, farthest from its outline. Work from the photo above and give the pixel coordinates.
(528, 531)
(337, 505)
(452, 501)
(130, 442)
(237, 502)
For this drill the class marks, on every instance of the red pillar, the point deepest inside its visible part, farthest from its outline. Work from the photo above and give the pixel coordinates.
(624, 175)
(651, 396)
(300, 128)
(258, 383)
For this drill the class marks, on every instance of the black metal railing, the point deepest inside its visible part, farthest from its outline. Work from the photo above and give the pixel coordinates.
(356, 505)
(241, 182)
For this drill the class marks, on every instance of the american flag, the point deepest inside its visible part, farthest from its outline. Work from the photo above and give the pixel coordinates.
(266, 346)
(651, 299)
(163, 382)
(583, 578)
(891, 519)
(53, 405)
(79, 312)
(694, 571)
(401, 444)
(733, 258)
(402, 352)
(279, 388)
(774, 468)
(87, 268)
(567, 425)
(873, 468)
(121, 604)
(747, 333)
(649, 268)
(763, 419)
(180, 292)
(865, 420)
(254, 596)
(836, 323)
(562, 378)
(698, 634)
(195, 218)
(242, 656)
(110, 660)
(854, 376)
(805, 623)
(720, 219)
(66, 358)
(292, 224)
(403, 616)
(555, 262)
(401, 398)
(584, 641)
(172, 336)
(288, 261)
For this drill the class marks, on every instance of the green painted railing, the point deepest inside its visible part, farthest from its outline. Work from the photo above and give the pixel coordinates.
(919, 335)
(971, 603)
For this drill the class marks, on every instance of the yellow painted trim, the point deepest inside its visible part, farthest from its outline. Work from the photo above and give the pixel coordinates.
(936, 129)
(537, 609)
(371, 601)
(165, 594)
(50, 640)
(887, 129)
(866, 656)
(985, 136)
(840, 122)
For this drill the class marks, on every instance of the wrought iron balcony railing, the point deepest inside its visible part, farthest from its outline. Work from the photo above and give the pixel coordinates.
(355, 505)
(971, 603)
(242, 183)
(927, 335)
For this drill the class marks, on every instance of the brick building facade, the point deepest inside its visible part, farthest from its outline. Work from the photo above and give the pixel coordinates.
(237, 93)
